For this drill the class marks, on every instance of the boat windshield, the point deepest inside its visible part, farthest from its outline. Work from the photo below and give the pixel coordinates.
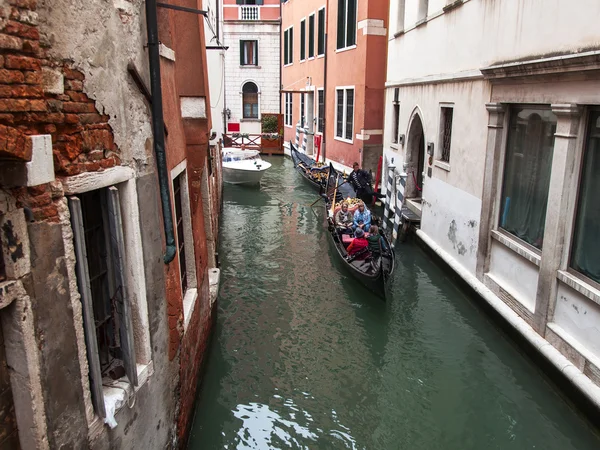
(230, 157)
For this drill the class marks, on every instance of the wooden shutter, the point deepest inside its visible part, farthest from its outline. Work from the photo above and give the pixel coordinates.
(259, 2)
(241, 53)
(239, 2)
(120, 295)
(255, 54)
(83, 283)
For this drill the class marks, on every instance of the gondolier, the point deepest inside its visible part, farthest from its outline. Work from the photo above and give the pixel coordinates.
(361, 182)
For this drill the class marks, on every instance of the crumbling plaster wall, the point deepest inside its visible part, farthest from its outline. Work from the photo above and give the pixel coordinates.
(101, 39)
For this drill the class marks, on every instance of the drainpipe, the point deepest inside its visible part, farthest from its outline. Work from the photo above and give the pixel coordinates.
(158, 129)
(324, 141)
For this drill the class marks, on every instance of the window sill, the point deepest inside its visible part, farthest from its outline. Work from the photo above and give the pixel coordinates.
(517, 247)
(347, 141)
(115, 398)
(254, 119)
(452, 6)
(442, 165)
(310, 58)
(288, 126)
(421, 22)
(345, 49)
(321, 56)
(250, 66)
(395, 146)
(302, 60)
(189, 301)
(574, 282)
(399, 33)
(288, 65)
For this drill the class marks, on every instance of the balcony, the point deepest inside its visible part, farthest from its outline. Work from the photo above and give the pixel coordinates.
(249, 12)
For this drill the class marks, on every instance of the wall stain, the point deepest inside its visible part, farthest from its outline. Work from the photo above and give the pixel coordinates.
(15, 247)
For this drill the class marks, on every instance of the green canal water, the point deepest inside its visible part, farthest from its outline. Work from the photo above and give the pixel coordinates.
(303, 357)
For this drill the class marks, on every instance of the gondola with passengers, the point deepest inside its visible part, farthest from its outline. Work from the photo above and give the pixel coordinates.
(360, 244)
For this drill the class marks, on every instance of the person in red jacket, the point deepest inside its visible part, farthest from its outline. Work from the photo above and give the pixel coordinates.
(358, 244)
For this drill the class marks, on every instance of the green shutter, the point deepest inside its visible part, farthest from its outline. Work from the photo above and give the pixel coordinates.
(241, 53)
(256, 53)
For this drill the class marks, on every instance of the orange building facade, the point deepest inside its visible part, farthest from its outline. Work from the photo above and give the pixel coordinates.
(333, 57)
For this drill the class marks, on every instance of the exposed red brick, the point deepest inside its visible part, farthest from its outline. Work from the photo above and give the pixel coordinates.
(33, 77)
(50, 129)
(37, 190)
(53, 117)
(14, 144)
(39, 200)
(76, 107)
(71, 74)
(37, 105)
(1, 61)
(27, 4)
(97, 139)
(92, 118)
(106, 163)
(74, 85)
(78, 96)
(10, 42)
(47, 213)
(12, 105)
(11, 76)
(32, 47)
(7, 118)
(70, 148)
(20, 90)
(21, 62)
(72, 118)
(22, 30)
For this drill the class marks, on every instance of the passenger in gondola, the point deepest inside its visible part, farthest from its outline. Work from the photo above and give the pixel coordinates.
(377, 244)
(362, 218)
(358, 244)
(344, 219)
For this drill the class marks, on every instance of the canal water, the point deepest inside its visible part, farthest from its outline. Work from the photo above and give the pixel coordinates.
(303, 357)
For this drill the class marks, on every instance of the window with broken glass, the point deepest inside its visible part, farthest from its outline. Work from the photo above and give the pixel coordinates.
(177, 184)
(100, 268)
(446, 117)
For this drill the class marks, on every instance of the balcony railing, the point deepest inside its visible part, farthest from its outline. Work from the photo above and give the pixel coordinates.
(249, 12)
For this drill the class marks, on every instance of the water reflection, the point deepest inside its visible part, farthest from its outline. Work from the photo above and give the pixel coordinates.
(304, 357)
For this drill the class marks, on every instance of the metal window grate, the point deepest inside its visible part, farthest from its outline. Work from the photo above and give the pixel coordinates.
(447, 117)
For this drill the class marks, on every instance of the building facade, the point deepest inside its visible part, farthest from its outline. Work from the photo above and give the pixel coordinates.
(333, 56)
(215, 59)
(492, 111)
(105, 304)
(252, 77)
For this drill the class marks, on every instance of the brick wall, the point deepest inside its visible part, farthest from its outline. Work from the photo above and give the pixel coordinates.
(41, 95)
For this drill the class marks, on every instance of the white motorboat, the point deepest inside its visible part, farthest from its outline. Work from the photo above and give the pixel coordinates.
(243, 166)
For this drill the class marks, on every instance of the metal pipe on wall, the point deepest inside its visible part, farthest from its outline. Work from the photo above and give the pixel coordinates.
(158, 129)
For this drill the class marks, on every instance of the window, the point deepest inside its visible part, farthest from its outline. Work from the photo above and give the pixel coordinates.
(321, 37)
(346, 29)
(527, 172)
(100, 268)
(400, 16)
(396, 118)
(344, 113)
(321, 110)
(177, 185)
(302, 109)
(250, 100)
(302, 40)
(585, 257)
(288, 108)
(446, 116)
(248, 53)
(249, 2)
(311, 36)
(288, 46)
(423, 7)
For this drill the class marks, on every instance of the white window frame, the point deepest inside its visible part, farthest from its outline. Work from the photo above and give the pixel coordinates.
(317, 110)
(290, 50)
(321, 55)
(256, 41)
(191, 294)
(302, 109)
(314, 36)
(439, 162)
(302, 47)
(288, 101)
(347, 47)
(345, 112)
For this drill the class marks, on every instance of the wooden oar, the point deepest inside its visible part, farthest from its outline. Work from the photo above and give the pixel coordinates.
(337, 180)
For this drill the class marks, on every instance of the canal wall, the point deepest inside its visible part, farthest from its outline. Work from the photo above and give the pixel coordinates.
(582, 391)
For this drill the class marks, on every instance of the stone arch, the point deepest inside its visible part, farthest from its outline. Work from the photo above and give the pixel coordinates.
(415, 154)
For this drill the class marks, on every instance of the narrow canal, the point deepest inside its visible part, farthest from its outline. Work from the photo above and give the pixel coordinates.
(303, 357)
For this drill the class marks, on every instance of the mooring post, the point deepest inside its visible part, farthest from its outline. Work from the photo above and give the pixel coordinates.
(388, 195)
(400, 187)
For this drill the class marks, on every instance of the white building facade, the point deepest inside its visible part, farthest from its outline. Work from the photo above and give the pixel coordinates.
(493, 109)
(215, 60)
(252, 63)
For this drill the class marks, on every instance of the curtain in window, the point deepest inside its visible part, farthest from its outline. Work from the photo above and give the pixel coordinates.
(249, 53)
(527, 173)
(586, 242)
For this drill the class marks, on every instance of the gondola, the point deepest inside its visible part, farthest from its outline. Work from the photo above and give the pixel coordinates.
(304, 164)
(374, 272)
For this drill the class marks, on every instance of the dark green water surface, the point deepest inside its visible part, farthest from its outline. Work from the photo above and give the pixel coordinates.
(303, 357)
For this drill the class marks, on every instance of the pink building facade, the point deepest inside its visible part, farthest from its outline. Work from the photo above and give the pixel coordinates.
(333, 75)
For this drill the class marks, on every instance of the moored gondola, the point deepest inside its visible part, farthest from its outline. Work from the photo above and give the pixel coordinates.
(373, 270)
(309, 168)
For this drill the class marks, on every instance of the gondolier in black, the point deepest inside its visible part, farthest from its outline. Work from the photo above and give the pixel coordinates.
(361, 181)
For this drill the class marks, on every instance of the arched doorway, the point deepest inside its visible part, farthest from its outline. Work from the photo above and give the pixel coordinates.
(415, 158)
